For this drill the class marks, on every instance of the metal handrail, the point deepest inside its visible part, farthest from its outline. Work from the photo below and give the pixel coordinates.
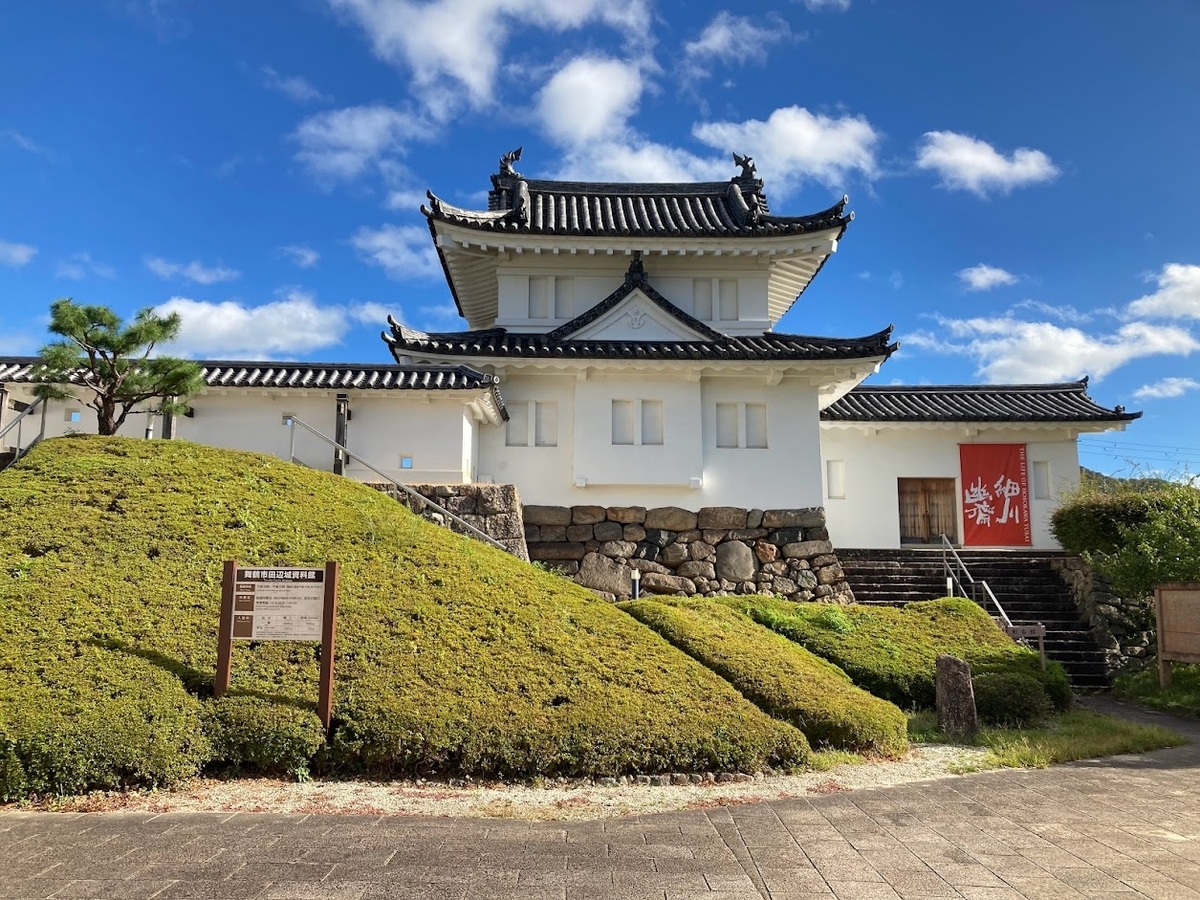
(17, 423)
(292, 421)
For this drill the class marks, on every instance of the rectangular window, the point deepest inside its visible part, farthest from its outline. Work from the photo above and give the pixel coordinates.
(1041, 480)
(727, 424)
(564, 298)
(729, 299)
(406, 462)
(539, 297)
(74, 415)
(517, 432)
(545, 427)
(702, 299)
(835, 478)
(652, 422)
(622, 422)
(756, 425)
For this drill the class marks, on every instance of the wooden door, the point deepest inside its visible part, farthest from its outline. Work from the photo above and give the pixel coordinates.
(927, 510)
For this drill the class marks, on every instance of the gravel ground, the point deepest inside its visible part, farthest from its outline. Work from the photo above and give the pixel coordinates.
(555, 802)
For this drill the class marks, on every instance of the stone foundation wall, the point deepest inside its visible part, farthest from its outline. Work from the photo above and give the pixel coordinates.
(717, 551)
(1124, 629)
(495, 509)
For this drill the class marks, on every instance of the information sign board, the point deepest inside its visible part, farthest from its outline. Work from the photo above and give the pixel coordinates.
(1177, 622)
(279, 604)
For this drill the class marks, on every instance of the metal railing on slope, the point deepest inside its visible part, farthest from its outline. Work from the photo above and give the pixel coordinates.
(17, 423)
(959, 579)
(292, 421)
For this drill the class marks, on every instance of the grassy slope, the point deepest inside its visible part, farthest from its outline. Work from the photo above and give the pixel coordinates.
(1182, 698)
(779, 676)
(451, 656)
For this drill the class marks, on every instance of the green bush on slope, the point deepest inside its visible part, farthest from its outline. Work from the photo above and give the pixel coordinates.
(892, 652)
(780, 677)
(452, 657)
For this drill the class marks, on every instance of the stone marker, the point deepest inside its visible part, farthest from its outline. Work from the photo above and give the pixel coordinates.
(955, 697)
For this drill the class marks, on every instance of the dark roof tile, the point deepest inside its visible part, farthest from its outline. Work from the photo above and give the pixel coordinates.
(973, 403)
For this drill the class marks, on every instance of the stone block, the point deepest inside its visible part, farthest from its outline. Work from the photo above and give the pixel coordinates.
(827, 559)
(779, 567)
(701, 550)
(696, 570)
(618, 549)
(670, 518)
(579, 533)
(608, 531)
(674, 554)
(505, 526)
(493, 499)
(805, 579)
(627, 515)
(816, 534)
(533, 533)
(647, 565)
(686, 537)
(784, 586)
(821, 591)
(658, 537)
(801, 597)
(563, 568)
(746, 534)
(955, 697)
(647, 551)
(735, 562)
(635, 533)
(726, 517)
(807, 549)
(783, 536)
(556, 550)
(766, 552)
(754, 518)
(460, 505)
(654, 583)
(603, 574)
(554, 533)
(830, 574)
(791, 518)
(587, 515)
(547, 515)
(712, 536)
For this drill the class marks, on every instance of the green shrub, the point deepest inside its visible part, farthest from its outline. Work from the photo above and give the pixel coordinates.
(1134, 538)
(1011, 699)
(780, 678)
(452, 657)
(892, 652)
(249, 734)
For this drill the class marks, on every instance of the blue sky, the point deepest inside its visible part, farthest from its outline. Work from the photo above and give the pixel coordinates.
(1024, 173)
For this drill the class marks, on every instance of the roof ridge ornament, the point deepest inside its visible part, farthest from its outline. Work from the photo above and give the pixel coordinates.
(635, 275)
(506, 163)
(749, 170)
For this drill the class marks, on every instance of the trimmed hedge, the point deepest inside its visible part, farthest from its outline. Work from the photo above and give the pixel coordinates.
(452, 657)
(779, 677)
(892, 652)
(1010, 699)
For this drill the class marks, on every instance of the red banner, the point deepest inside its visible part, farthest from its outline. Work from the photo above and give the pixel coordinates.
(995, 485)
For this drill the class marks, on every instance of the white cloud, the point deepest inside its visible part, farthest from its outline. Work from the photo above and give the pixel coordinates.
(794, 145)
(453, 48)
(402, 251)
(16, 255)
(79, 266)
(896, 280)
(967, 163)
(984, 277)
(408, 199)
(342, 144)
(637, 159)
(1168, 387)
(296, 87)
(589, 99)
(836, 5)
(372, 313)
(289, 326)
(192, 271)
(732, 40)
(1063, 313)
(1008, 350)
(25, 143)
(302, 257)
(1177, 297)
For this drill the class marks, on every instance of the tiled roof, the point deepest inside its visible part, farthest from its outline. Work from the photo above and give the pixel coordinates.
(735, 208)
(329, 376)
(973, 403)
(500, 343)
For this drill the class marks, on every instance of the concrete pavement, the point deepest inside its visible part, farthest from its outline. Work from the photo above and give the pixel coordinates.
(1119, 828)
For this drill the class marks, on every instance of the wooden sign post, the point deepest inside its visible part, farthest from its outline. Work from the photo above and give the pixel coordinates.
(1177, 622)
(279, 604)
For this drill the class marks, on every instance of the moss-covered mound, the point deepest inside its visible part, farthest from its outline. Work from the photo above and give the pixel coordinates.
(892, 652)
(780, 677)
(452, 657)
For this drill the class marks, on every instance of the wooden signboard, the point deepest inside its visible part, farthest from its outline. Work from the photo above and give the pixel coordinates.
(1177, 618)
(279, 604)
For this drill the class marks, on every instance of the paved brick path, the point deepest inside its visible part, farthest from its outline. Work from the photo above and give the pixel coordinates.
(1122, 828)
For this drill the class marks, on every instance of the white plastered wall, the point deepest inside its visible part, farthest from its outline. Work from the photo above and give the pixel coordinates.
(868, 516)
(787, 473)
(59, 422)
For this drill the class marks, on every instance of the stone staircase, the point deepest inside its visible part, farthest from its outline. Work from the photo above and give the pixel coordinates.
(1025, 584)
